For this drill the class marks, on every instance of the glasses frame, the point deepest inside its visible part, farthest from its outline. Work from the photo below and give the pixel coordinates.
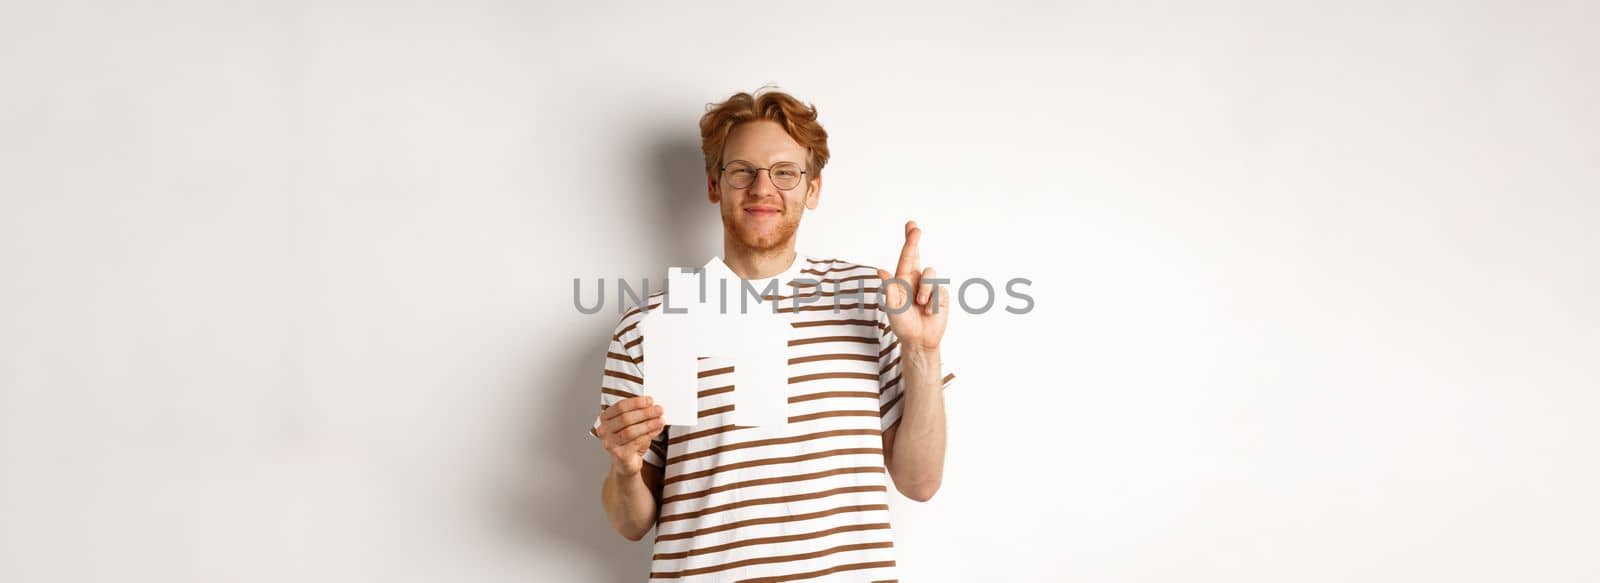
(723, 168)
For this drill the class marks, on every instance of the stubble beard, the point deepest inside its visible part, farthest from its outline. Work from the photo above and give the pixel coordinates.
(777, 241)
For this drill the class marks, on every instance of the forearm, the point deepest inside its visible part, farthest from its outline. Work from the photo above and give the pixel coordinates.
(629, 503)
(917, 462)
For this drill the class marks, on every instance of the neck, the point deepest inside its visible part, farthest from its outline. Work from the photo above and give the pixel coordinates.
(750, 263)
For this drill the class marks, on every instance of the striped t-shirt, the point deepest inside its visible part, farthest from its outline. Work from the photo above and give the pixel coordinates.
(807, 500)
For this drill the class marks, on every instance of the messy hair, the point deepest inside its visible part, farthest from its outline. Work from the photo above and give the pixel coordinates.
(797, 118)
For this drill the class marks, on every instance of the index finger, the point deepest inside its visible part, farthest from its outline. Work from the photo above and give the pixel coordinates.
(910, 257)
(625, 406)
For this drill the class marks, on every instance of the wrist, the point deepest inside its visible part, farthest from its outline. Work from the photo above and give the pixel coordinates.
(919, 359)
(619, 470)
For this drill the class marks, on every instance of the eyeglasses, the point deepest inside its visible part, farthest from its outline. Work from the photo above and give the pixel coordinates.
(784, 175)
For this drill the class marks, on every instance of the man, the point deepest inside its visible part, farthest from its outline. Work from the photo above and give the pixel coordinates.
(807, 499)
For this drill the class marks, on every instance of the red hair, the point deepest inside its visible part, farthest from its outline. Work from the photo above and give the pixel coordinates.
(798, 119)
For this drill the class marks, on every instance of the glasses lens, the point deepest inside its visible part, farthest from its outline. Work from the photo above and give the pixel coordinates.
(740, 175)
(785, 175)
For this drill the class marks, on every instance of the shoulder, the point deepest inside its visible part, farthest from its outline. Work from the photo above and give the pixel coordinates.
(837, 271)
(628, 325)
(846, 279)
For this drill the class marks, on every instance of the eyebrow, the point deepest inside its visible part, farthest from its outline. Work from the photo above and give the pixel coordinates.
(753, 163)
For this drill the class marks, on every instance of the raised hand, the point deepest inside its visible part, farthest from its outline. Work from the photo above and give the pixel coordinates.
(921, 326)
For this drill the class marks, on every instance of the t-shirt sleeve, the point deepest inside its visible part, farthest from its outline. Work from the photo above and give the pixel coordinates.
(889, 381)
(623, 378)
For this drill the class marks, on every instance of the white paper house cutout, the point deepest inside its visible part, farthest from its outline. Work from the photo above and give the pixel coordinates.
(712, 325)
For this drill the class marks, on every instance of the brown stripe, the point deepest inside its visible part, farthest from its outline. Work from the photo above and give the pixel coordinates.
(861, 277)
(769, 540)
(819, 339)
(771, 500)
(861, 290)
(817, 308)
(827, 571)
(634, 342)
(889, 385)
(825, 414)
(852, 292)
(623, 376)
(833, 323)
(617, 393)
(836, 356)
(621, 357)
(833, 395)
(776, 460)
(773, 441)
(773, 559)
(771, 520)
(635, 310)
(769, 481)
(884, 410)
(705, 433)
(714, 392)
(833, 375)
(794, 419)
(847, 267)
(715, 372)
(891, 346)
(716, 411)
(629, 328)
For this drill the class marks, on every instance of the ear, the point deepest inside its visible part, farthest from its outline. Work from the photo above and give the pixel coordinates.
(813, 192)
(713, 190)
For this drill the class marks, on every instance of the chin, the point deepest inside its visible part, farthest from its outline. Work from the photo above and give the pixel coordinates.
(766, 237)
(766, 240)
(760, 242)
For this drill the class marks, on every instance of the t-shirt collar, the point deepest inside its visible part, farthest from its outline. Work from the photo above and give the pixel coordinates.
(718, 267)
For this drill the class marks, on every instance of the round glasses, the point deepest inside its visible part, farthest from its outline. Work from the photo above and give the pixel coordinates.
(784, 175)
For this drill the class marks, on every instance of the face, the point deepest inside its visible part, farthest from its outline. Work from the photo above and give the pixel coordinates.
(761, 217)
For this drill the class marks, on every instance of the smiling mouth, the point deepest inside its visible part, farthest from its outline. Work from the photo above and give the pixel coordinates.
(762, 212)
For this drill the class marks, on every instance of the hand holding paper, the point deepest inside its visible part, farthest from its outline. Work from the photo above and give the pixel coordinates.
(626, 429)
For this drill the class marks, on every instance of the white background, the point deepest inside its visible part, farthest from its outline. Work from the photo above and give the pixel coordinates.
(285, 287)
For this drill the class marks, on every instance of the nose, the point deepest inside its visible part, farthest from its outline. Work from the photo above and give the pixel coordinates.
(762, 186)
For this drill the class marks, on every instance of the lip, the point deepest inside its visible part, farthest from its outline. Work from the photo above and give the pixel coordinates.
(762, 210)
